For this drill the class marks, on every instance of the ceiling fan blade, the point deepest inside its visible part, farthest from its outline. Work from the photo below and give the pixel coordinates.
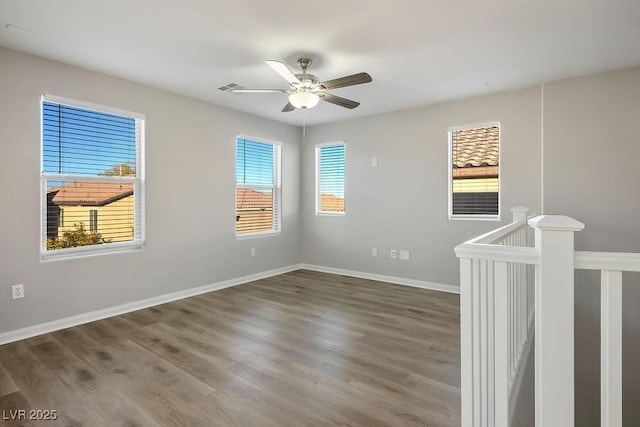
(354, 79)
(282, 69)
(338, 100)
(288, 107)
(258, 90)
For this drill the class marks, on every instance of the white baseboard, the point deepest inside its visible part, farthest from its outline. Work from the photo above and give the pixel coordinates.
(67, 322)
(382, 278)
(92, 316)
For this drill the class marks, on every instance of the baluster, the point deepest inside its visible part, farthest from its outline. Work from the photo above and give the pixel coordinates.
(502, 356)
(611, 349)
(466, 343)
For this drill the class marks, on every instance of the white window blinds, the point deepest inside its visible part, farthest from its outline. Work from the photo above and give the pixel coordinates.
(257, 187)
(330, 178)
(474, 170)
(91, 171)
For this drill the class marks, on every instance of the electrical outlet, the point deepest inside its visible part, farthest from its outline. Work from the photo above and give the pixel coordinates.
(393, 254)
(17, 291)
(374, 251)
(404, 254)
(253, 251)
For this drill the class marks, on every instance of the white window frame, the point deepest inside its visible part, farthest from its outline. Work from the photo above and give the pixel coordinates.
(276, 187)
(474, 217)
(318, 147)
(138, 243)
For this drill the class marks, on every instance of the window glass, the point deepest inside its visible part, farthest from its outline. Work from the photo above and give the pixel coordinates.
(474, 169)
(330, 188)
(257, 187)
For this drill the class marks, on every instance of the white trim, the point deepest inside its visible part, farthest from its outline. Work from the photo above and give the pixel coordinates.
(260, 139)
(541, 149)
(92, 316)
(257, 235)
(92, 250)
(90, 106)
(383, 278)
(323, 213)
(475, 125)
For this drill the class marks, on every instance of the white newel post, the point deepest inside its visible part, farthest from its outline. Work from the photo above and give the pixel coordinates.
(554, 308)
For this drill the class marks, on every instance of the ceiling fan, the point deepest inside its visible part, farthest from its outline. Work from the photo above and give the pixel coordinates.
(306, 90)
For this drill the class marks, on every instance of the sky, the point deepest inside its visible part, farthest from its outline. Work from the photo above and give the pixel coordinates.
(79, 141)
(332, 165)
(254, 162)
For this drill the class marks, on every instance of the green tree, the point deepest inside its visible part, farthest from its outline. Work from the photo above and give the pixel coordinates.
(76, 237)
(122, 169)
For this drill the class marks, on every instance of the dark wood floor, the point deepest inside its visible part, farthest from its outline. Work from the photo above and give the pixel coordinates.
(299, 349)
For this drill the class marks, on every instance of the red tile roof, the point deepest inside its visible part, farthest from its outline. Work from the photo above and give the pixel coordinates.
(476, 147)
(90, 193)
(331, 203)
(247, 198)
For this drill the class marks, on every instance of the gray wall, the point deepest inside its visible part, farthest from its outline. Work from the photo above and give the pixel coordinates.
(190, 165)
(402, 203)
(591, 152)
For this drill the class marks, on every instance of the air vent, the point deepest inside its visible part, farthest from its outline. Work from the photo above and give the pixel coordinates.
(230, 86)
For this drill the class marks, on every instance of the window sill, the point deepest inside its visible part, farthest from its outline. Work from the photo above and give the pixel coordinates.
(84, 252)
(322, 213)
(250, 236)
(474, 218)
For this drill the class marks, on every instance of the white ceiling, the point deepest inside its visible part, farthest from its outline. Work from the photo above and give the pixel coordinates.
(418, 52)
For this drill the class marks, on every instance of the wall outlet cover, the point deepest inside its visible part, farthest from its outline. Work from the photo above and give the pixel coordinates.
(404, 254)
(17, 291)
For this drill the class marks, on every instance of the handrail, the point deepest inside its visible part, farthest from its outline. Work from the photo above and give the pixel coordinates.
(518, 254)
(616, 261)
(498, 233)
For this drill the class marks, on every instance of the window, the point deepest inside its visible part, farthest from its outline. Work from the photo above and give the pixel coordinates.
(257, 187)
(330, 170)
(91, 167)
(93, 220)
(474, 168)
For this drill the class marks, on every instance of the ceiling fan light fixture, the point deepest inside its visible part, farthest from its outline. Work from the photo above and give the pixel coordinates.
(304, 98)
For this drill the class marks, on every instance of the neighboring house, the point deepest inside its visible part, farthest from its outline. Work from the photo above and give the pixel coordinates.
(331, 203)
(254, 211)
(103, 207)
